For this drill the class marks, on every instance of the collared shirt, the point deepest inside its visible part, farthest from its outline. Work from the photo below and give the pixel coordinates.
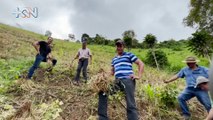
(192, 75)
(84, 53)
(123, 65)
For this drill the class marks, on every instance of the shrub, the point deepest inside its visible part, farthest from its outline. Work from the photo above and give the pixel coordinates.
(160, 56)
(174, 67)
(177, 48)
(168, 95)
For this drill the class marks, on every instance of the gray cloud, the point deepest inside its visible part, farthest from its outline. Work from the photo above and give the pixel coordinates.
(109, 18)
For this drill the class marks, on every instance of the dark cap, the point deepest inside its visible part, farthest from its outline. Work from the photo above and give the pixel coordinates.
(119, 42)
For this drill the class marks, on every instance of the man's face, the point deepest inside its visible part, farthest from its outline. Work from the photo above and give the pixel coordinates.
(119, 48)
(191, 65)
(204, 86)
(84, 45)
(50, 40)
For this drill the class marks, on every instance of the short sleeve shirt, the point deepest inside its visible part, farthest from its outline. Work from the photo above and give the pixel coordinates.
(84, 53)
(192, 75)
(44, 48)
(123, 65)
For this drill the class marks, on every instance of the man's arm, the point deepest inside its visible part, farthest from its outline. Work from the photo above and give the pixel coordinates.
(112, 71)
(77, 55)
(140, 65)
(36, 46)
(175, 77)
(72, 60)
(210, 115)
(49, 56)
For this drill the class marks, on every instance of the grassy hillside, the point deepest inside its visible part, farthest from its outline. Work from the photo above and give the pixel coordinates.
(51, 95)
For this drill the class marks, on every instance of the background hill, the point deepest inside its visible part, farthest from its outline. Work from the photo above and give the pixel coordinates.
(51, 95)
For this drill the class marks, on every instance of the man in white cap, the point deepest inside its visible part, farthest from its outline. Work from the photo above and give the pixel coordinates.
(203, 83)
(191, 74)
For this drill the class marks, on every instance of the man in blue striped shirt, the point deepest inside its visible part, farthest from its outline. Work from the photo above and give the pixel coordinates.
(122, 69)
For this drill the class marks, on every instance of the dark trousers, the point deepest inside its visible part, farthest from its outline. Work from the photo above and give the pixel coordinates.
(82, 63)
(129, 90)
(37, 62)
(191, 92)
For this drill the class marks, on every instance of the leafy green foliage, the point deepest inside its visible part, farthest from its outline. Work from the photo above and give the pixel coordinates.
(172, 44)
(118, 96)
(128, 42)
(168, 95)
(201, 43)
(100, 40)
(12, 70)
(160, 57)
(149, 91)
(128, 37)
(50, 111)
(150, 41)
(200, 15)
(135, 43)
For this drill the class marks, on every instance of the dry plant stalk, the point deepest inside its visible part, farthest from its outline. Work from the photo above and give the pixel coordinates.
(100, 82)
(24, 108)
(29, 85)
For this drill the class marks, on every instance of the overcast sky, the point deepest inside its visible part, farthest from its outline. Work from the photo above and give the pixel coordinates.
(109, 18)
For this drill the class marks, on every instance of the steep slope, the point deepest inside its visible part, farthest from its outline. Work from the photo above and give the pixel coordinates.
(51, 95)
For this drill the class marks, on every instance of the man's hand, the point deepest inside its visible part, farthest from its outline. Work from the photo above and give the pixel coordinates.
(134, 77)
(175, 77)
(140, 69)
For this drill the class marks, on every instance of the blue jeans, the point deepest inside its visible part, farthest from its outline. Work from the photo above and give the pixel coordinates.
(129, 90)
(37, 62)
(191, 92)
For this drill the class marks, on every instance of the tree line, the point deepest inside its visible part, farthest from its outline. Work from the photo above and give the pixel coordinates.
(130, 40)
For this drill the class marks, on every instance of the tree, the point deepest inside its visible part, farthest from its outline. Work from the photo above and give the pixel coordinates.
(160, 56)
(71, 37)
(200, 15)
(150, 41)
(48, 33)
(135, 43)
(173, 44)
(201, 44)
(128, 37)
(78, 41)
(99, 39)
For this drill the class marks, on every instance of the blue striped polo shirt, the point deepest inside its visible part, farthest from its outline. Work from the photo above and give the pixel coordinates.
(123, 65)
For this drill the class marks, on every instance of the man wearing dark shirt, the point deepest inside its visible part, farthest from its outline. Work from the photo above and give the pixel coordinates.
(43, 55)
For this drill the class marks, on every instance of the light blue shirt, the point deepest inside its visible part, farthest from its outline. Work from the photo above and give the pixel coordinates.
(191, 75)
